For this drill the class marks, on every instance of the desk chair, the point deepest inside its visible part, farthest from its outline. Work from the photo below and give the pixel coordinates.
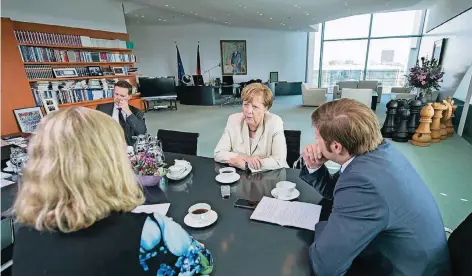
(8, 239)
(228, 95)
(460, 248)
(178, 142)
(292, 139)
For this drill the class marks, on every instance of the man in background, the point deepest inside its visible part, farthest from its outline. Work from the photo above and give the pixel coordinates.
(384, 220)
(130, 118)
(236, 60)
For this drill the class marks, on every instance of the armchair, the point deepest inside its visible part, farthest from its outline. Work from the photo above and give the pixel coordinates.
(362, 95)
(313, 96)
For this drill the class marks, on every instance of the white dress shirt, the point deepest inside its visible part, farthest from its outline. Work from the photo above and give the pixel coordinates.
(115, 114)
(343, 166)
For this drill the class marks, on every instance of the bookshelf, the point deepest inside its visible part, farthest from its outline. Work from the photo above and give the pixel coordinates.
(15, 85)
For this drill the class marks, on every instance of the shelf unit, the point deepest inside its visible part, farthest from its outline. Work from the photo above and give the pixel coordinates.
(79, 63)
(94, 103)
(76, 47)
(86, 78)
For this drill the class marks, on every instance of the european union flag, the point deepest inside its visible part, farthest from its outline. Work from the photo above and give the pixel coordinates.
(180, 66)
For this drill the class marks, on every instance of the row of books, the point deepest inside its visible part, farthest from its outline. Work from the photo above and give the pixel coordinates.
(47, 71)
(70, 96)
(67, 40)
(42, 54)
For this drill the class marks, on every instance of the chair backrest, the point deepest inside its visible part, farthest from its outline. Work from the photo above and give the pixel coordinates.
(460, 248)
(368, 84)
(304, 88)
(400, 90)
(348, 84)
(362, 95)
(292, 139)
(178, 142)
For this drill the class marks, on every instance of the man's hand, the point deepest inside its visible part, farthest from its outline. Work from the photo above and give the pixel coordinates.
(123, 104)
(313, 156)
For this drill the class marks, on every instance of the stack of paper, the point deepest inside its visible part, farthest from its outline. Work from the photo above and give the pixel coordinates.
(285, 213)
(149, 209)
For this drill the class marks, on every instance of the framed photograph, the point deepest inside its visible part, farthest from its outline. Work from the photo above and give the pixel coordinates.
(438, 50)
(95, 71)
(65, 72)
(233, 57)
(50, 105)
(28, 118)
(119, 70)
(274, 77)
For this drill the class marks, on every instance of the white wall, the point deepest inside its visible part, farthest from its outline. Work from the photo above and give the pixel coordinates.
(105, 15)
(267, 50)
(444, 10)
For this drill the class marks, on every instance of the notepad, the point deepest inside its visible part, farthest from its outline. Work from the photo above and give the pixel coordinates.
(285, 213)
(150, 209)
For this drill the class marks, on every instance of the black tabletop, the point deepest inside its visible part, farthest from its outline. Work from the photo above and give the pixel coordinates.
(240, 246)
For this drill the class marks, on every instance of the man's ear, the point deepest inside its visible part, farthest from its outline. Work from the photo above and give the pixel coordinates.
(336, 147)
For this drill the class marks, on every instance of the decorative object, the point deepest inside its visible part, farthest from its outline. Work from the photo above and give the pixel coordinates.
(402, 105)
(50, 105)
(274, 77)
(28, 118)
(438, 50)
(401, 132)
(389, 125)
(449, 125)
(233, 57)
(422, 136)
(120, 70)
(148, 160)
(414, 119)
(436, 124)
(65, 72)
(95, 71)
(446, 116)
(425, 77)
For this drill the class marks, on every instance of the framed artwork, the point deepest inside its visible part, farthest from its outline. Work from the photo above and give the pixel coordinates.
(233, 57)
(28, 118)
(65, 72)
(119, 70)
(438, 50)
(50, 105)
(95, 70)
(274, 77)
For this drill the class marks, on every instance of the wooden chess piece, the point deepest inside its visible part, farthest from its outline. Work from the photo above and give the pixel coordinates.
(447, 113)
(436, 124)
(401, 133)
(422, 136)
(389, 124)
(401, 106)
(449, 125)
(414, 120)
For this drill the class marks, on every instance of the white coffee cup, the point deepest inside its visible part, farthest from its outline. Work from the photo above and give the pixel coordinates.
(183, 163)
(285, 188)
(199, 212)
(227, 171)
(176, 170)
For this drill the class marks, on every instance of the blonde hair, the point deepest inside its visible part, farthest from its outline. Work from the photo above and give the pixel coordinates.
(349, 122)
(77, 174)
(258, 89)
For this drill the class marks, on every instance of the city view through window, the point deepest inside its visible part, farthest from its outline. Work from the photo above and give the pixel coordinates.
(378, 47)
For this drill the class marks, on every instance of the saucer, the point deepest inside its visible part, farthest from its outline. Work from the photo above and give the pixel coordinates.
(227, 180)
(295, 195)
(212, 217)
(181, 176)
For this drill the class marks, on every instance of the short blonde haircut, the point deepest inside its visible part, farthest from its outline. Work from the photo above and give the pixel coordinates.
(349, 122)
(77, 174)
(258, 89)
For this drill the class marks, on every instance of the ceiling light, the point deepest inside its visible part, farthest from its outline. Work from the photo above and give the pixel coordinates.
(142, 16)
(173, 7)
(159, 19)
(245, 7)
(164, 20)
(260, 14)
(226, 22)
(196, 13)
(296, 6)
(183, 15)
(345, 3)
(282, 24)
(167, 5)
(240, 5)
(270, 18)
(307, 13)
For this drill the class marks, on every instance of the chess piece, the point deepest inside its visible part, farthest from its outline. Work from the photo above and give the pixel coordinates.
(447, 113)
(414, 119)
(401, 132)
(389, 125)
(449, 125)
(436, 124)
(401, 106)
(422, 136)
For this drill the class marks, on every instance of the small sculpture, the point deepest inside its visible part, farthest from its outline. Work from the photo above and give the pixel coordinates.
(389, 125)
(447, 113)
(436, 124)
(414, 119)
(422, 136)
(449, 125)
(401, 132)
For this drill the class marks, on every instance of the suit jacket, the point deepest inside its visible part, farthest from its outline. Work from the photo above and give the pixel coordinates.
(268, 143)
(384, 218)
(134, 125)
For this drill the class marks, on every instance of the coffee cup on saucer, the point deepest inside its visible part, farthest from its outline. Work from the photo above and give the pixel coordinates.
(183, 163)
(227, 171)
(176, 170)
(199, 212)
(285, 188)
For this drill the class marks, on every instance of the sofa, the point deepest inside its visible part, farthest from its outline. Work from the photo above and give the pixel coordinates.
(373, 85)
(362, 95)
(313, 96)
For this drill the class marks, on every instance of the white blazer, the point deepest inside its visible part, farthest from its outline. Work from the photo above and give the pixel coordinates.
(268, 143)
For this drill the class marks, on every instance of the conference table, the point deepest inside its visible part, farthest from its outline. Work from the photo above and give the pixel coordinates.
(240, 246)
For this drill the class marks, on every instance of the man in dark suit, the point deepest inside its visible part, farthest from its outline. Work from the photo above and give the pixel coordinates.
(130, 118)
(384, 220)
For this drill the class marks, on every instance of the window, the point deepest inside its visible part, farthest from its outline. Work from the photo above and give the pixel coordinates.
(396, 24)
(348, 27)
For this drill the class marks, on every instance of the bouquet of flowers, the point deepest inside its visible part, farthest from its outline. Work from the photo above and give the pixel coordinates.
(145, 164)
(426, 76)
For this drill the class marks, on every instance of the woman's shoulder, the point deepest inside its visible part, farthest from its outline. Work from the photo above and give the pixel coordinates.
(235, 118)
(272, 119)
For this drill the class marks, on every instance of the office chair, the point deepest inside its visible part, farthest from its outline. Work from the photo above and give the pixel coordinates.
(460, 248)
(292, 139)
(178, 142)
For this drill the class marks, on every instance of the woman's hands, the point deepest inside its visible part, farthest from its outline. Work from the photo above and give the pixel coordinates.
(239, 161)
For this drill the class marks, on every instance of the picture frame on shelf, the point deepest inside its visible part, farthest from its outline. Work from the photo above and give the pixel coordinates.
(28, 118)
(274, 77)
(438, 50)
(50, 105)
(119, 70)
(65, 72)
(95, 71)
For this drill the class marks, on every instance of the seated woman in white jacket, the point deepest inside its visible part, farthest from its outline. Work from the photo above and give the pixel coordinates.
(254, 139)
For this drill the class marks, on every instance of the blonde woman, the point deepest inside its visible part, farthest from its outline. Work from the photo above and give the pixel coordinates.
(254, 139)
(74, 207)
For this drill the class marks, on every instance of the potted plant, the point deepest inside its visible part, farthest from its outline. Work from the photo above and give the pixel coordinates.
(425, 77)
(148, 160)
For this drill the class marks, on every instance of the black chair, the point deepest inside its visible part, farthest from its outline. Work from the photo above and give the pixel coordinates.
(460, 248)
(292, 139)
(178, 142)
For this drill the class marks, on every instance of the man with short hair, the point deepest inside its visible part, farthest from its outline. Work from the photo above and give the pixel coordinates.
(384, 220)
(130, 118)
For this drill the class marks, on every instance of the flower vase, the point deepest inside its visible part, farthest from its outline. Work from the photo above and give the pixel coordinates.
(422, 97)
(148, 180)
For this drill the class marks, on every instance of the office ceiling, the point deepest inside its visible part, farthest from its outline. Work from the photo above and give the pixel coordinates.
(288, 15)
